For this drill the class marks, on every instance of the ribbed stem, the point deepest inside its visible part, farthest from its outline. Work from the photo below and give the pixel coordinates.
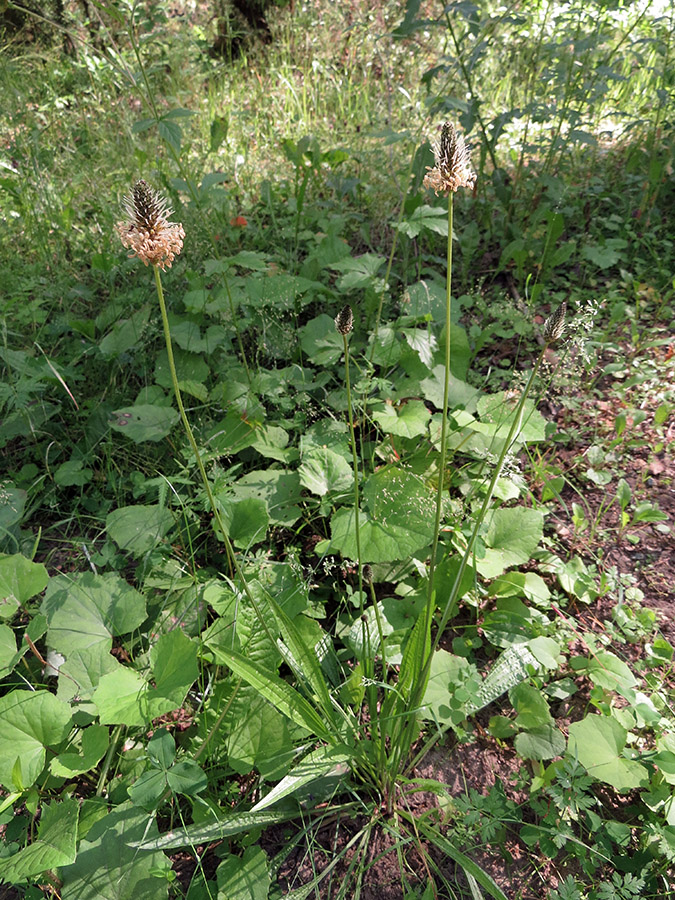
(355, 464)
(232, 559)
(444, 420)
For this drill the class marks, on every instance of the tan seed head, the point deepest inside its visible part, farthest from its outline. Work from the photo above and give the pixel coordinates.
(453, 163)
(147, 231)
(555, 324)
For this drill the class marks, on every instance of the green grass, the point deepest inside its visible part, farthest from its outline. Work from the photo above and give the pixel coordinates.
(275, 595)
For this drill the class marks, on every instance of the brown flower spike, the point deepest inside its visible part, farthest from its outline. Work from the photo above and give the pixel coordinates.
(453, 165)
(555, 324)
(147, 232)
(344, 321)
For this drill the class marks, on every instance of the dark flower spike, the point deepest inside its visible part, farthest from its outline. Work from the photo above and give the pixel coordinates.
(453, 163)
(555, 324)
(344, 321)
(147, 232)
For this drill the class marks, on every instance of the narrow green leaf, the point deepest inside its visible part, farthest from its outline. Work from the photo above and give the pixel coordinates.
(205, 834)
(307, 658)
(312, 767)
(415, 652)
(281, 695)
(470, 867)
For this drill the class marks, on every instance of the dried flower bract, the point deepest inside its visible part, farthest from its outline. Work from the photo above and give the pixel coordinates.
(555, 324)
(344, 321)
(147, 231)
(453, 164)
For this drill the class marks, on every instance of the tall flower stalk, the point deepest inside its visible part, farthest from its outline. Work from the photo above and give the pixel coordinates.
(151, 237)
(344, 323)
(452, 170)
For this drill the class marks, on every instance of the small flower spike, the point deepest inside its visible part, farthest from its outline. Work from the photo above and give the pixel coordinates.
(555, 324)
(147, 231)
(344, 321)
(453, 165)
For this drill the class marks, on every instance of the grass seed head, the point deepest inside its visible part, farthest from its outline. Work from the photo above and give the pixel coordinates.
(555, 324)
(344, 321)
(147, 231)
(453, 163)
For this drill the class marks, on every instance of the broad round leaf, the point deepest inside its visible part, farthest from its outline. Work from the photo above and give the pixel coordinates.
(31, 722)
(20, 579)
(145, 422)
(597, 742)
(397, 521)
(138, 528)
(323, 471)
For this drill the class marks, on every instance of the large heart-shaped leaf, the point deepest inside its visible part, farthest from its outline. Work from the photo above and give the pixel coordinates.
(8, 653)
(323, 470)
(279, 489)
(94, 745)
(244, 877)
(512, 537)
(83, 613)
(411, 420)
(55, 844)
(597, 742)
(86, 610)
(20, 579)
(125, 697)
(138, 528)
(108, 868)
(31, 722)
(320, 341)
(245, 521)
(543, 742)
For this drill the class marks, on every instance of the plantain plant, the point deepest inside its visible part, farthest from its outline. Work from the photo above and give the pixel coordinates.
(375, 742)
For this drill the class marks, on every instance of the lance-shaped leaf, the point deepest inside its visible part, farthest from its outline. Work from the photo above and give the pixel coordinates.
(319, 763)
(280, 694)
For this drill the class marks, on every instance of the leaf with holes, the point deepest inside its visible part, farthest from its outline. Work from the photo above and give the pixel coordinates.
(396, 522)
(145, 422)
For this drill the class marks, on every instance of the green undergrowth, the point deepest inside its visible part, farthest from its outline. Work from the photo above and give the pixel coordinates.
(197, 664)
